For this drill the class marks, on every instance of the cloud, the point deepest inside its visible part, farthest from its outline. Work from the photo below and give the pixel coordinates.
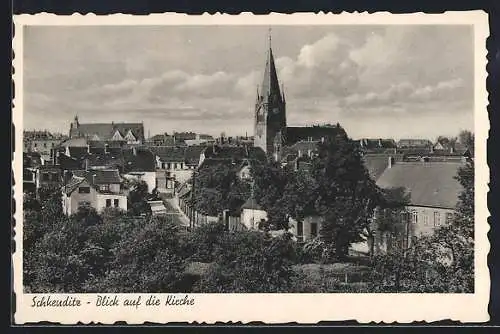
(330, 75)
(406, 93)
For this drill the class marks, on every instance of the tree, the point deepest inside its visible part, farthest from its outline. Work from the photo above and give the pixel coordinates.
(201, 244)
(217, 187)
(269, 185)
(466, 138)
(345, 194)
(137, 197)
(251, 261)
(442, 262)
(391, 219)
(144, 259)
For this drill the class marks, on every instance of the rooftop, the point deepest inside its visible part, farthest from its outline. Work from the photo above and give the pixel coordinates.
(429, 184)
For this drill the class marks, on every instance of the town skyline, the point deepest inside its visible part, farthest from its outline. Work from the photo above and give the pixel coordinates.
(344, 74)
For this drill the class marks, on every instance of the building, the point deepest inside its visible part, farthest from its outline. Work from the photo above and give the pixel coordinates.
(157, 208)
(305, 229)
(414, 143)
(177, 164)
(130, 133)
(271, 132)
(161, 140)
(98, 189)
(140, 165)
(433, 192)
(42, 142)
(252, 214)
(48, 177)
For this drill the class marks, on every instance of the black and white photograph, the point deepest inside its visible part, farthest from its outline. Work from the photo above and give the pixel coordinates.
(191, 159)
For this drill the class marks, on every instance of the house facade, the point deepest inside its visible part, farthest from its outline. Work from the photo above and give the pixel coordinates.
(98, 189)
(433, 195)
(305, 229)
(252, 214)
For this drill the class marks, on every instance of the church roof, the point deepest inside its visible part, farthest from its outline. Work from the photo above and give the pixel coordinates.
(270, 85)
(105, 131)
(312, 133)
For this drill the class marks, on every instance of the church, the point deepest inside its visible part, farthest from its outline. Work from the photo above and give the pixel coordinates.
(271, 132)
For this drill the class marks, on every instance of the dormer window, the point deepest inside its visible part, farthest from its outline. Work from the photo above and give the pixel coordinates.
(130, 136)
(117, 136)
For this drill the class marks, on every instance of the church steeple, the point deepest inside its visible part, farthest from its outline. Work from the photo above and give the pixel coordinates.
(270, 110)
(270, 85)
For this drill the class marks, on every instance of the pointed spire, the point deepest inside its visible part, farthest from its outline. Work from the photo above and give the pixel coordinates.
(270, 84)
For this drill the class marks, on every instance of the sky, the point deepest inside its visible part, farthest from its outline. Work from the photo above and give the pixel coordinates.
(376, 81)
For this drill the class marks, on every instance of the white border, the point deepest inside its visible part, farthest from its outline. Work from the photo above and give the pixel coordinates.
(277, 308)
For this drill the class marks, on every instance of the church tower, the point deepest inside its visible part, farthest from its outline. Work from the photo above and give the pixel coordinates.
(270, 112)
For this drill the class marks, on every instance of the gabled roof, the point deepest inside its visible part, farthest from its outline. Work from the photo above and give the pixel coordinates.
(305, 145)
(169, 153)
(414, 142)
(78, 153)
(103, 176)
(316, 132)
(429, 184)
(377, 163)
(105, 131)
(143, 161)
(370, 143)
(73, 184)
(235, 153)
(251, 204)
(192, 154)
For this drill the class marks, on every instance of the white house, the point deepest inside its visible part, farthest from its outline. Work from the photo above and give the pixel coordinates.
(95, 188)
(252, 214)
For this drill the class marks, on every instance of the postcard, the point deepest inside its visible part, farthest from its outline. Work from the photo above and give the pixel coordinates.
(250, 168)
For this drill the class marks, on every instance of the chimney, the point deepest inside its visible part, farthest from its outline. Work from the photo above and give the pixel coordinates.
(56, 162)
(134, 150)
(322, 140)
(380, 143)
(88, 148)
(86, 164)
(93, 178)
(299, 153)
(106, 149)
(246, 150)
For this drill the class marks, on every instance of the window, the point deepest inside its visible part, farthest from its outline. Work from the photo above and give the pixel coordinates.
(45, 177)
(108, 202)
(52, 145)
(44, 145)
(300, 229)
(437, 219)
(84, 190)
(36, 144)
(116, 202)
(414, 217)
(314, 229)
(426, 219)
(104, 187)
